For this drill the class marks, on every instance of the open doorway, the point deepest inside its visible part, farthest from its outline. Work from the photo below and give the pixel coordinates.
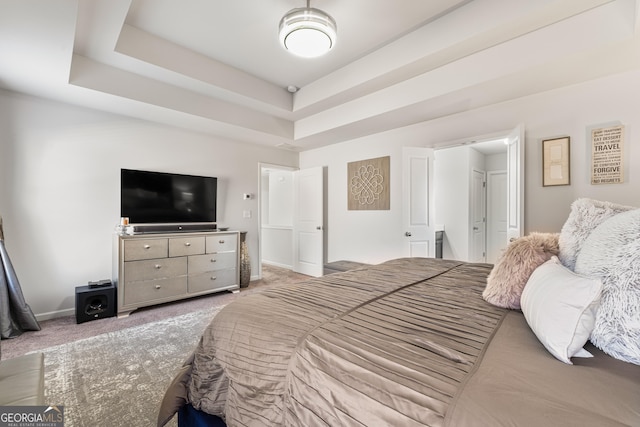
(291, 233)
(276, 216)
(471, 199)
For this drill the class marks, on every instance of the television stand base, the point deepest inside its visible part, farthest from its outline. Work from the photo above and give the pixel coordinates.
(151, 269)
(172, 228)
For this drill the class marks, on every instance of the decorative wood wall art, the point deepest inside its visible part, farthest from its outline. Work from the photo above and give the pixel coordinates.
(555, 162)
(368, 184)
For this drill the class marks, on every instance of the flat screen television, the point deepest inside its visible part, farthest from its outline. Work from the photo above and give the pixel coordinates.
(167, 198)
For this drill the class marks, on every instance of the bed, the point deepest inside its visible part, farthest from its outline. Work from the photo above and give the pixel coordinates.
(409, 342)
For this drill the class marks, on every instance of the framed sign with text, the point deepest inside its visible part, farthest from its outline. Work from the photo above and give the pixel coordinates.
(607, 155)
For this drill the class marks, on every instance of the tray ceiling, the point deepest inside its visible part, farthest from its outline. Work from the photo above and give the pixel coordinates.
(216, 66)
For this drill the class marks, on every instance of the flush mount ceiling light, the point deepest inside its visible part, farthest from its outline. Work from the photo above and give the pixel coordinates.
(307, 32)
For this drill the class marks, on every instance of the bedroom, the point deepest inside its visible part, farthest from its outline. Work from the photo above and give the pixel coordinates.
(59, 159)
(48, 145)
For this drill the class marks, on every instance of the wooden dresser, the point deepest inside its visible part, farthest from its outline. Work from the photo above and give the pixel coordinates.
(150, 269)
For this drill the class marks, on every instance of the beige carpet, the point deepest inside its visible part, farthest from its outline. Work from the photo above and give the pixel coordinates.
(113, 372)
(64, 329)
(119, 378)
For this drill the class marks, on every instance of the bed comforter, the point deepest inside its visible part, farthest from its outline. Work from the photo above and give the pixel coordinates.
(409, 342)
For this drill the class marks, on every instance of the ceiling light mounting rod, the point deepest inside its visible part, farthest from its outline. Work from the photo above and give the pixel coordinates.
(307, 31)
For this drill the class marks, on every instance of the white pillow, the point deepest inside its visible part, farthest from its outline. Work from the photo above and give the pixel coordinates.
(560, 307)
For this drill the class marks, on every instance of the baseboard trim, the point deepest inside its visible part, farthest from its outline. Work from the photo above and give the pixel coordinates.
(55, 314)
(277, 264)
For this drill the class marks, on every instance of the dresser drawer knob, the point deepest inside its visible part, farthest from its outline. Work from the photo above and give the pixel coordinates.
(213, 260)
(187, 244)
(213, 277)
(147, 246)
(158, 286)
(221, 242)
(157, 266)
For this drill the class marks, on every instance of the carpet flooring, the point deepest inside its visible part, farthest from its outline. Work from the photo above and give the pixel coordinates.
(119, 378)
(64, 329)
(113, 372)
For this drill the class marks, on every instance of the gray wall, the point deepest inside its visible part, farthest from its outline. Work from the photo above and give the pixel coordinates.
(375, 236)
(60, 188)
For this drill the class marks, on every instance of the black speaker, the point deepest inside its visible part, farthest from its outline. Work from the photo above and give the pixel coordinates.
(95, 303)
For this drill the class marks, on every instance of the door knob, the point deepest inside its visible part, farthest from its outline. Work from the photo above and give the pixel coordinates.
(318, 228)
(475, 228)
(408, 234)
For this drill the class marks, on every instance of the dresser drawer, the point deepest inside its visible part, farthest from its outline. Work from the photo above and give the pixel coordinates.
(149, 290)
(212, 280)
(135, 249)
(181, 246)
(211, 262)
(222, 243)
(154, 269)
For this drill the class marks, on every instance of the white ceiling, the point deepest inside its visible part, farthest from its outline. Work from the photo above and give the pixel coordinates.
(215, 66)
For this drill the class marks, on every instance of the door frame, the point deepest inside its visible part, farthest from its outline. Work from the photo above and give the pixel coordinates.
(506, 136)
(261, 167)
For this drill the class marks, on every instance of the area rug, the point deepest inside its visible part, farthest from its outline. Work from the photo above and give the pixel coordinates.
(119, 378)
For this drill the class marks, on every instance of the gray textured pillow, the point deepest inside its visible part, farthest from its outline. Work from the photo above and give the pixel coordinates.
(612, 253)
(514, 266)
(586, 215)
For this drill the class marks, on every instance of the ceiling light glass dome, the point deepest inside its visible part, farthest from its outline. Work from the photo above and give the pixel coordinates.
(308, 32)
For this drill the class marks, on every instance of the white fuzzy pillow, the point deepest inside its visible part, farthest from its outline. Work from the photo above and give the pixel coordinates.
(586, 215)
(514, 266)
(612, 253)
(560, 307)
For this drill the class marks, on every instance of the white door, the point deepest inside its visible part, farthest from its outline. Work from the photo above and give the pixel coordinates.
(478, 218)
(308, 225)
(496, 214)
(515, 183)
(417, 196)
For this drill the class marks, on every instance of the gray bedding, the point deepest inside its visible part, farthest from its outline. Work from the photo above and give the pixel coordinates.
(409, 342)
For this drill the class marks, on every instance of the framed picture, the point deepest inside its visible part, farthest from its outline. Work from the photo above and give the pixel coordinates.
(555, 162)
